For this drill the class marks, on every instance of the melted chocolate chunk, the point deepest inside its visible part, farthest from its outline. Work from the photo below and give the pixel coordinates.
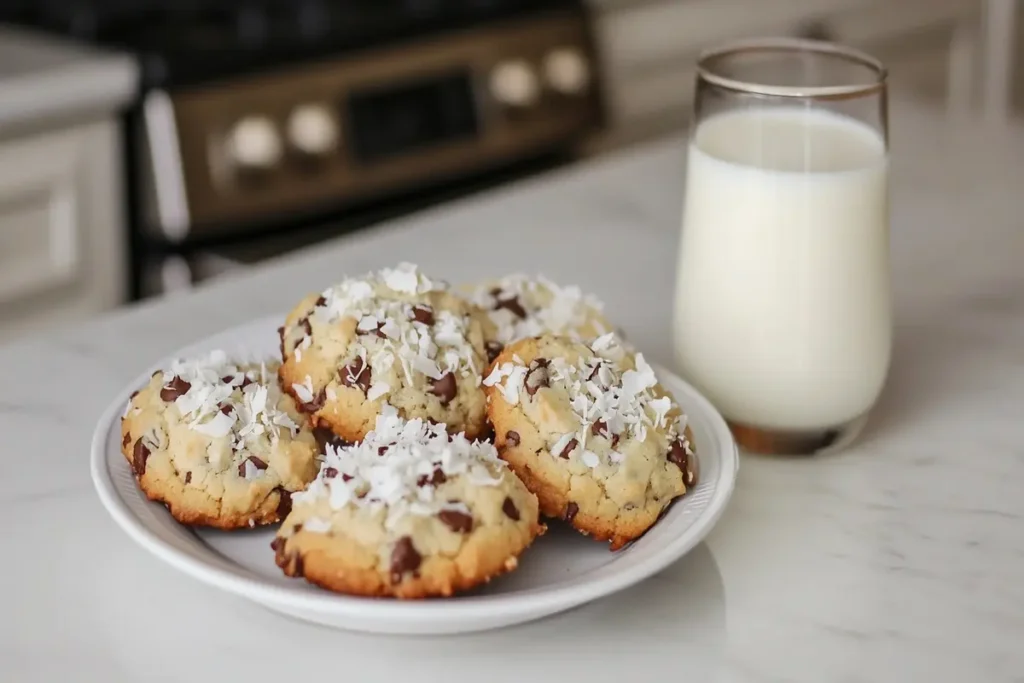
(381, 450)
(320, 301)
(459, 522)
(330, 472)
(404, 559)
(493, 349)
(678, 456)
(325, 437)
(422, 313)
(436, 478)
(316, 404)
(177, 387)
(280, 337)
(227, 379)
(600, 428)
(511, 304)
(510, 509)
(347, 477)
(570, 511)
(512, 438)
(134, 394)
(225, 408)
(140, 453)
(444, 388)
(256, 462)
(356, 374)
(569, 448)
(284, 502)
(537, 376)
(306, 327)
(188, 477)
(126, 440)
(246, 381)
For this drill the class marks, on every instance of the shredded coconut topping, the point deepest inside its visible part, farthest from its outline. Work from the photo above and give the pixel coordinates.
(399, 466)
(607, 398)
(397, 327)
(224, 399)
(521, 306)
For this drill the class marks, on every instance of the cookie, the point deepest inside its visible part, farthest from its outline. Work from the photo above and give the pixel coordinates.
(519, 306)
(218, 443)
(410, 512)
(393, 337)
(589, 429)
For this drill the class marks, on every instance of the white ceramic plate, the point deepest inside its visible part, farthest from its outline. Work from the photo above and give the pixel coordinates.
(560, 571)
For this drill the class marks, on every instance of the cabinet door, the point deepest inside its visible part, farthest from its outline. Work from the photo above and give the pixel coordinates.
(61, 226)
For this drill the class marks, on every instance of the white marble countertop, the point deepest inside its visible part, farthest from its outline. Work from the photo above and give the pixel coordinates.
(901, 559)
(43, 77)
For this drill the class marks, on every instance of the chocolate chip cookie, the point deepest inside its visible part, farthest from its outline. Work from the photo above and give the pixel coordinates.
(520, 306)
(589, 429)
(410, 512)
(218, 442)
(393, 337)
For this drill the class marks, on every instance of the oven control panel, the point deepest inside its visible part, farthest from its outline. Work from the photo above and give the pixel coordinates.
(382, 121)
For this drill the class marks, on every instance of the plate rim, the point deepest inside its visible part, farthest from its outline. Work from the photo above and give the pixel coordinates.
(551, 599)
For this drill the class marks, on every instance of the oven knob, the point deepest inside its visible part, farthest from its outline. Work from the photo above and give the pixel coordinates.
(254, 143)
(514, 84)
(566, 71)
(312, 129)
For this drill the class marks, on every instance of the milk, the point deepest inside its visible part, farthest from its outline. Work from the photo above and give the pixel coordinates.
(782, 307)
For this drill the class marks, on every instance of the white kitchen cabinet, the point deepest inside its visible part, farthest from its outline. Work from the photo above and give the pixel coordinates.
(62, 200)
(649, 47)
(62, 234)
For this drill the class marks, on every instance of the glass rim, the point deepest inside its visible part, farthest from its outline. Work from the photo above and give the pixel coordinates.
(838, 91)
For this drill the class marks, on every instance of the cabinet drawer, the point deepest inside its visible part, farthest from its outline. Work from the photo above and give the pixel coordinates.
(62, 239)
(39, 226)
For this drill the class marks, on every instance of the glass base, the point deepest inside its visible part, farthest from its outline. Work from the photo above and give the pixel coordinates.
(796, 443)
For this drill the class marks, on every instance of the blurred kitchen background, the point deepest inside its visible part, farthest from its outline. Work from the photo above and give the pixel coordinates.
(149, 145)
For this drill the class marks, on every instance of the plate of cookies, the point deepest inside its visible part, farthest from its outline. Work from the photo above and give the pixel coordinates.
(399, 455)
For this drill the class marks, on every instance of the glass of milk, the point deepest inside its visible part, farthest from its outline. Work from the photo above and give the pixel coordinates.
(782, 306)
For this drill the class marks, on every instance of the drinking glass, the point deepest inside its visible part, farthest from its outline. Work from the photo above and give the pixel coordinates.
(782, 305)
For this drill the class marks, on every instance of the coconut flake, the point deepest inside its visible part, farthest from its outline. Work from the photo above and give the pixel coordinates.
(377, 389)
(590, 459)
(316, 525)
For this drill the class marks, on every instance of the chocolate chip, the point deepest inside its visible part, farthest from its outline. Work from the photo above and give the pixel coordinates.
(225, 408)
(404, 559)
(444, 388)
(306, 327)
(436, 478)
(570, 511)
(600, 428)
(126, 440)
(347, 477)
(188, 477)
(493, 349)
(459, 522)
(512, 304)
(140, 453)
(316, 404)
(227, 379)
(256, 462)
(330, 472)
(422, 313)
(325, 437)
(297, 528)
(284, 502)
(356, 374)
(512, 438)
(678, 456)
(381, 450)
(569, 448)
(177, 387)
(510, 509)
(246, 381)
(320, 301)
(537, 376)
